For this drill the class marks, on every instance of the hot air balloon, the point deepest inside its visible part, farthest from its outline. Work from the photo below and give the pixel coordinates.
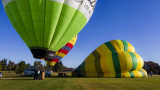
(47, 25)
(62, 52)
(115, 59)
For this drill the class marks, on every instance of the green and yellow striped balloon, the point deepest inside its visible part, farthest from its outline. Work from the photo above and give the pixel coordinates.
(116, 58)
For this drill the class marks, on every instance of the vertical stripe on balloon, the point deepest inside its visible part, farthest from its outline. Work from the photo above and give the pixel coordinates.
(125, 44)
(110, 46)
(116, 63)
(134, 61)
(97, 63)
(132, 74)
(82, 69)
(115, 59)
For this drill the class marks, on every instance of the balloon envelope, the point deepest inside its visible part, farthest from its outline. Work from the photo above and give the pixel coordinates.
(62, 52)
(47, 25)
(116, 58)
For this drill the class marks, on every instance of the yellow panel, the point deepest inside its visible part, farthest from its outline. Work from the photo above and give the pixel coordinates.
(128, 61)
(50, 63)
(122, 61)
(130, 48)
(110, 66)
(57, 53)
(107, 68)
(144, 72)
(102, 59)
(109, 75)
(115, 45)
(90, 66)
(139, 61)
(105, 48)
(125, 75)
(91, 74)
(140, 74)
(61, 54)
(73, 41)
(137, 73)
(120, 44)
(106, 62)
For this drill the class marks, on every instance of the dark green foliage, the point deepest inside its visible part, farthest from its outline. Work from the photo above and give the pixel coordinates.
(4, 64)
(20, 67)
(58, 66)
(0, 67)
(37, 63)
(28, 65)
(11, 66)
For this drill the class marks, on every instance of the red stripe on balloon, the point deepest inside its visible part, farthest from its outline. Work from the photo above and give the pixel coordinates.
(64, 51)
(69, 45)
(55, 60)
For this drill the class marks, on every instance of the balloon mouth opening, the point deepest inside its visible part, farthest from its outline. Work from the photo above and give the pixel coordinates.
(42, 53)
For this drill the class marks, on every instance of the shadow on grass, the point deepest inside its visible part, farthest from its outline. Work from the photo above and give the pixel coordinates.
(14, 79)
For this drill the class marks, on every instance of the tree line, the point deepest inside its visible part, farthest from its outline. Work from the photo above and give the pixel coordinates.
(8, 65)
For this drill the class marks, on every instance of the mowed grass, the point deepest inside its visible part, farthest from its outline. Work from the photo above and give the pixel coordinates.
(15, 82)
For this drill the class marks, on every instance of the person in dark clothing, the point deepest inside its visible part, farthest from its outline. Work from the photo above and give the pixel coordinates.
(38, 74)
(35, 74)
(151, 73)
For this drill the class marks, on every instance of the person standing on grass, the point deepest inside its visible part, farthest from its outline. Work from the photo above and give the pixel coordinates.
(38, 74)
(35, 74)
(151, 73)
(43, 74)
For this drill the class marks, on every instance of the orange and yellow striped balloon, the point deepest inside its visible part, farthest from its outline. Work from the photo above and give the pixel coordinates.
(116, 58)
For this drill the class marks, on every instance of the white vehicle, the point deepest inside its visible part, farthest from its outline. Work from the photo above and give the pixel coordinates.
(31, 71)
(0, 74)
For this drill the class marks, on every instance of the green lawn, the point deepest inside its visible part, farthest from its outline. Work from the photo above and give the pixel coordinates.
(15, 82)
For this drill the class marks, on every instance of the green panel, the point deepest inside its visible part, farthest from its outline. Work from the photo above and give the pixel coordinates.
(134, 61)
(125, 45)
(76, 25)
(25, 12)
(38, 16)
(116, 64)
(53, 10)
(98, 64)
(65, 18)
(132, 74)
(82, 69)
(115, 58)
(110, 46)
(15, 18)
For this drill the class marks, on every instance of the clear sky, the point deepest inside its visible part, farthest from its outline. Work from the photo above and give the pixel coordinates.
(135, 21)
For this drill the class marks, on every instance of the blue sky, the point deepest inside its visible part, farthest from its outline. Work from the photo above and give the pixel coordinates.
(135, 21)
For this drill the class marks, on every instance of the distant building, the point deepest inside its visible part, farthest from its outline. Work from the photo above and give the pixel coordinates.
(67, 69)
(151, 66)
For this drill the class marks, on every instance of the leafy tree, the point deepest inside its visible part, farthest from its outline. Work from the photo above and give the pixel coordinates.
(37, 63)
(58, 66)
(0, 67)
(11, 66)
(20, 67)
(28, 65)
(4, 64)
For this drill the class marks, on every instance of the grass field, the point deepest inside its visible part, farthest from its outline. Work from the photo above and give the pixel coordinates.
(11, 81)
